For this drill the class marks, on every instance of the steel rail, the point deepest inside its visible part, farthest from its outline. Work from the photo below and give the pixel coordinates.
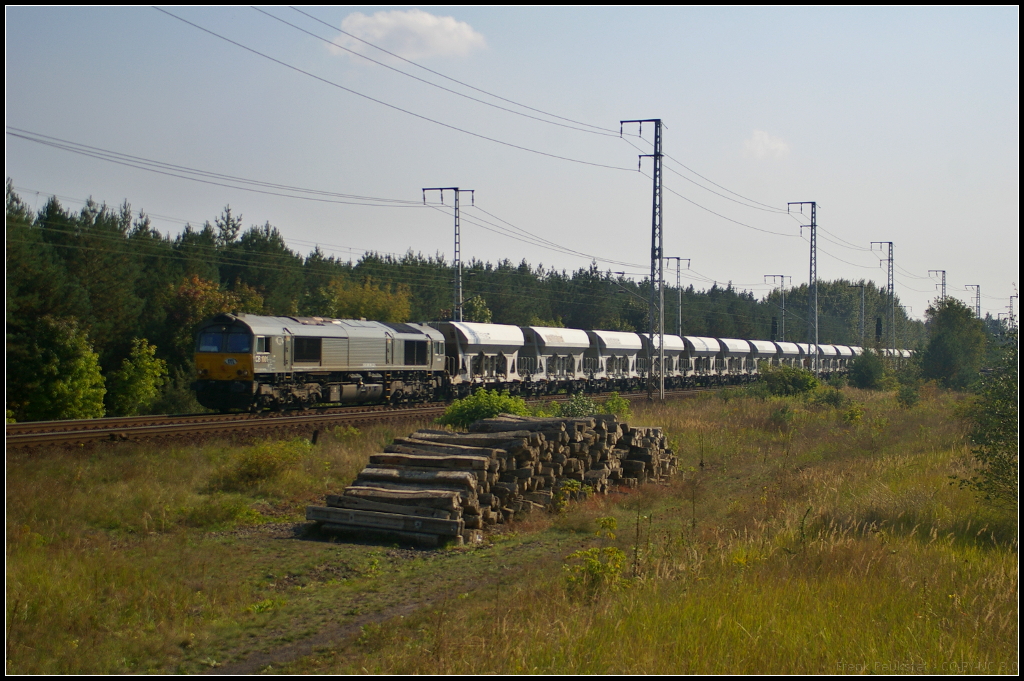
(38, 433)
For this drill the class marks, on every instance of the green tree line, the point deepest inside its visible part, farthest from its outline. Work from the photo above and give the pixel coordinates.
(100, 292)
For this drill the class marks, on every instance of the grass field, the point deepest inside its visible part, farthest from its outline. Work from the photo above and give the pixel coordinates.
(796, 538)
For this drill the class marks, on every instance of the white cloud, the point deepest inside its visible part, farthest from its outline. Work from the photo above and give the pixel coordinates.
(413, 34)
(763, 145)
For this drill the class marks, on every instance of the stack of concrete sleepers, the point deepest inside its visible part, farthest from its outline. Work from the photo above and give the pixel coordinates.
(438, 486)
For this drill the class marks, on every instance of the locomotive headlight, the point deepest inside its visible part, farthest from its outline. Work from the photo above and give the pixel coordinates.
(242, 372)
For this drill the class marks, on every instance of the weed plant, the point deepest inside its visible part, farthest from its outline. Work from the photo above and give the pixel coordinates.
(580, 405)
(482, 404)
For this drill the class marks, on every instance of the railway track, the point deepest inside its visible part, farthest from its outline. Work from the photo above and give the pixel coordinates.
(136, 428)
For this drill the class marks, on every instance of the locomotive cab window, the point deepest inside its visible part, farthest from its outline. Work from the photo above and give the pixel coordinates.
(262, 344)
(225, 342)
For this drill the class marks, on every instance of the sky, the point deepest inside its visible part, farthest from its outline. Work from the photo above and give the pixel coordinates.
(902, 124)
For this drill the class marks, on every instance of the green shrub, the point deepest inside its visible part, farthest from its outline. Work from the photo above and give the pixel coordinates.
(220, 510)
(482, 404)
(827, 396)
(866, 371)
(758, 391)
(995, 432)
(579, 405)
(259, 463)
(618, 405)
(53, 373)
(730, 393)
(908, 396)
(784, 380)
(781, 418)
(589, 571)
(854, 413)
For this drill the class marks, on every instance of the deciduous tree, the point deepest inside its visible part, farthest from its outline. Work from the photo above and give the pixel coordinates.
(994, 431)
(866, 371)
(53, 373)
(346, 300)
(136, 385)
(956, 344)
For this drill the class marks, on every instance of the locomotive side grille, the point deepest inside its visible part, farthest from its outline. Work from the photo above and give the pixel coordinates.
(366, 351)
(335, 352)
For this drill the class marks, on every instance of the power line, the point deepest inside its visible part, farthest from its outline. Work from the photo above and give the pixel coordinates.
(741, 224)
(427, 82)
(694, 182)
(910, 274)
(388, 105)
(771, 208)
(437, 73)
(849, 244)
(604, 131)
(545, 243)
(195, 175)
(705, 208)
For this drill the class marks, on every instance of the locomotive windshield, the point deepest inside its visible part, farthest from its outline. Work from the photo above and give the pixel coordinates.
(225, 342)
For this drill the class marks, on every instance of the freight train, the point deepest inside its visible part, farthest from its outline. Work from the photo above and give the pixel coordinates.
(252, 362)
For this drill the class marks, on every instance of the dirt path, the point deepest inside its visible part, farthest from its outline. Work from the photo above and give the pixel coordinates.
(328, 635)
(408, 580)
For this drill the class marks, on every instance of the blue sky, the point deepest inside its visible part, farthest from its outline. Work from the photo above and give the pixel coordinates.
(902, 123)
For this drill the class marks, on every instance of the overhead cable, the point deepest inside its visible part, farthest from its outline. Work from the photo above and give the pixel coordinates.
(427, 82)
(388, 105)
(438, 73)
(209, 177)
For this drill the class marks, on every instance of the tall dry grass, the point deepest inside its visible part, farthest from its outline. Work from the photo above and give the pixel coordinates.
(810, 542)
(113, 557)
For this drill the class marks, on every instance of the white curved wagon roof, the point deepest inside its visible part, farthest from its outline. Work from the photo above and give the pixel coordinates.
(762, 348)
(701, 346)
(828, 350)
(617, 340)
(844, 350)
(856, 350)
(734, 346)
(806, 349)
(552, 337)
(673, 343)
(788, 349)
(488, 335)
